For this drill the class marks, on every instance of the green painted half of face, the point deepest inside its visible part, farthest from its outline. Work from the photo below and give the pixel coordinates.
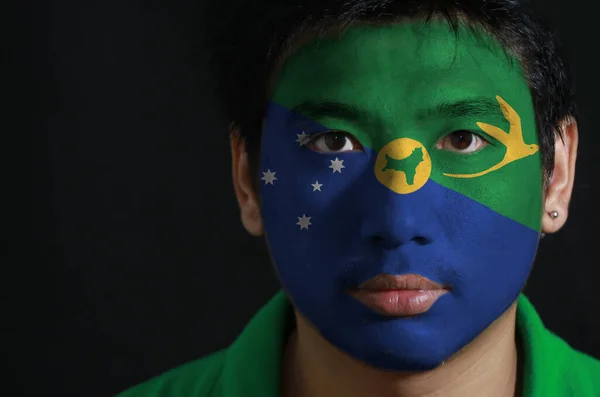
(418, 81)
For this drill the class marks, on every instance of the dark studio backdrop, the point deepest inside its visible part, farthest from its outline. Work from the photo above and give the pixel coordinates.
(142, 263)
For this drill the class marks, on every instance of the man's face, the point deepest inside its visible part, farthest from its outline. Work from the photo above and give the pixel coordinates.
(401, 150)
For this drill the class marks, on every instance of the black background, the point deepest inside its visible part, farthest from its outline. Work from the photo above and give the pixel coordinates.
(141, 261)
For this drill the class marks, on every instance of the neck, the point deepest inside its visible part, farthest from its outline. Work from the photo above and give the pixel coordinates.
(487, 366)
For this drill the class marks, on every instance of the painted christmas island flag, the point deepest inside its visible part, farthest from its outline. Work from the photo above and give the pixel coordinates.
(384, 153)
(403, 165)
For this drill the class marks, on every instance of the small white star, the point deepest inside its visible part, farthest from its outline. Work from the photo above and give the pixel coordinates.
(304, 221)
(316, 186)
(337, 165)
(268, 177)
(302, 138)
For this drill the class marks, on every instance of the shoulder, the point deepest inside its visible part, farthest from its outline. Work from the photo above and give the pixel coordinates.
(235, 369)
(196, 378)
(580, 373)
(552, 366)
(585, 374)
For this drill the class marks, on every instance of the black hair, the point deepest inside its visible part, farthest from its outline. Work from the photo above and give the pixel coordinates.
(255, 37)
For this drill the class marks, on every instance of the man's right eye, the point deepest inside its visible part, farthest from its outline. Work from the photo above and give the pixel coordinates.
(334, 142)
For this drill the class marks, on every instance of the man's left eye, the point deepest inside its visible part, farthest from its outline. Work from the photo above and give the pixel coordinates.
(334, 142)
(462, 141)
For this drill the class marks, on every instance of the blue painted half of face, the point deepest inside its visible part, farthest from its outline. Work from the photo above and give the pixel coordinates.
(352, 228)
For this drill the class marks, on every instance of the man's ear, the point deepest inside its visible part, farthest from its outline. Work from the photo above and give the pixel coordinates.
(560, 187)
(244, 187)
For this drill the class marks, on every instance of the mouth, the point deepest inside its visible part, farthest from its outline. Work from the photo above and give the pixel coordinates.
(397, 296)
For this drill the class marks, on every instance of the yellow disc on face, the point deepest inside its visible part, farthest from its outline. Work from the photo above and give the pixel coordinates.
(403, 165)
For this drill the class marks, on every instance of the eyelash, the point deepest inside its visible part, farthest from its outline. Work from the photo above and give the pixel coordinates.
(312, 136)
(315, 136)
(476, 134)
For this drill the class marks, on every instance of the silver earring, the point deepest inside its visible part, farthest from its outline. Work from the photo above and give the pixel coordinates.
(553, 215)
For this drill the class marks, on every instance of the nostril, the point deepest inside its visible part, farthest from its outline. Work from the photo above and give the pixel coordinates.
(381, 240)
(378, 239)
(421, 240)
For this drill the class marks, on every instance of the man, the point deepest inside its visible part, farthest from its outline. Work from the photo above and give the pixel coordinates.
(403, 159)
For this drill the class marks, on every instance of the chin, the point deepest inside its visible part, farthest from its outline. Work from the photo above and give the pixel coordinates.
(407, 344)
(425, 359)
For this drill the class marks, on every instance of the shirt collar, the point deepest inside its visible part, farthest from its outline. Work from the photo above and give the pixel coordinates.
(544, 354)
(253, 361)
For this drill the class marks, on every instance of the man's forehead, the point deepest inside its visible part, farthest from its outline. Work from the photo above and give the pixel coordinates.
(406, 53)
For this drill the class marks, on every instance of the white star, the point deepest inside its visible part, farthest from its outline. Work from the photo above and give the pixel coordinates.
(304, 221)
(337, 165)
(316, 186)
(302, 138)
(268, 177)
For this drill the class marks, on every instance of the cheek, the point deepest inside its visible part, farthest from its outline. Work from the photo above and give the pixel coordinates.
(309, 217)
(491, 253)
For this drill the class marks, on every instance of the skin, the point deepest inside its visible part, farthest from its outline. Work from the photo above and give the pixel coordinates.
(312, 364)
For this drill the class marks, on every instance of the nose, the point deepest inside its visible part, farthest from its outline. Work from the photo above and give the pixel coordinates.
(390, 220)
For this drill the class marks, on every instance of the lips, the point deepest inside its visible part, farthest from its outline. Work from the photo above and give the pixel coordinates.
(405, 295)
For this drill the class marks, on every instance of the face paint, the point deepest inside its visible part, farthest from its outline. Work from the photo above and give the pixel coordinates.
(404, 188)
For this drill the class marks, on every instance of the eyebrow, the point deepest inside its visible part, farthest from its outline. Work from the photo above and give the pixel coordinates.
(319, 109)
(473, 107)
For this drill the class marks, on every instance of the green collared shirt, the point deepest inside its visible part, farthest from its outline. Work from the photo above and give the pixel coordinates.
(251, 365)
